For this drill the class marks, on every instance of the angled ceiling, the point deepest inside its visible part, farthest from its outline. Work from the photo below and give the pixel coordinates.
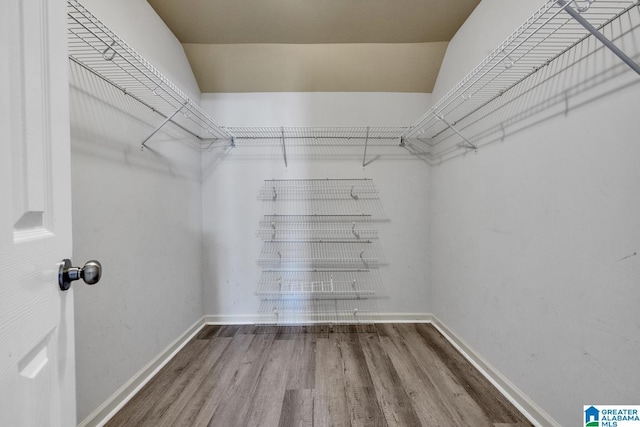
(314, 45)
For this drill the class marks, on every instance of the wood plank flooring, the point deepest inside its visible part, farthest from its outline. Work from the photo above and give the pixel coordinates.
(295, 376)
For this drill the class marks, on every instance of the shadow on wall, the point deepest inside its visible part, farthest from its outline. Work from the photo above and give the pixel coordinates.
(309, 150)
(555, 90)
(112, 126)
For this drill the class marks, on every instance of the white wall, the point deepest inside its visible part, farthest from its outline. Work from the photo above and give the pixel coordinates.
(316, 108)
(534, 240)
(139, 213)
(232, 177)
(491, 22)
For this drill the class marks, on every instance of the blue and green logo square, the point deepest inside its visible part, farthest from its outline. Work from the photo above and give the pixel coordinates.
(591, 417)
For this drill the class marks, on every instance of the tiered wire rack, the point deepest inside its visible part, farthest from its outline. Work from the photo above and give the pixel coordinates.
(321, 266)
(317, 284)
(327, 230)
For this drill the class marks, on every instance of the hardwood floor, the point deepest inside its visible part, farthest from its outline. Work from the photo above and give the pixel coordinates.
(360, 375)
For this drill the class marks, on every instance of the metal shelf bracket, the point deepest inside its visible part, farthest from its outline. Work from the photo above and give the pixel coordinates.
(366, 142)
(469, 143)
(143, 145)
(284, 148)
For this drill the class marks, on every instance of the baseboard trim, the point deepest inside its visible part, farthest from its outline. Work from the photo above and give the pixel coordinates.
(113, 404)
(230, 319)
(249, 319)
(528, 407)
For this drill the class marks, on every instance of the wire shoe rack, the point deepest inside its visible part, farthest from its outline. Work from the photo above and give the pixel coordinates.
(325, 231)
(318, 284)
(307, 189)
(319, 267)
(359, 254)
(311, 311)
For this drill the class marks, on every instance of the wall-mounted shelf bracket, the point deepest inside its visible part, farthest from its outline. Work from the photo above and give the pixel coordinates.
(469, 143)
(575, 14)
(366, 142)
(284, 148)
(352, 194)
(143, 145)
(353, 230)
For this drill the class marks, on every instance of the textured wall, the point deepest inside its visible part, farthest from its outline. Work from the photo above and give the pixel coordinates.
(534, 238)
(232, 177)
(139, 213)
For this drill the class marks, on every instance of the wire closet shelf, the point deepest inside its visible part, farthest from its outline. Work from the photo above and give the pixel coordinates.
(318, 189)
(319, 267)
(94, 47)
(545, 36)
(318, 284)
(318, 231)
(320, 311)
(355, 134)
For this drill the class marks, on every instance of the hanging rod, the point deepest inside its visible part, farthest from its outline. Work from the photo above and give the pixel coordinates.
(95, 47)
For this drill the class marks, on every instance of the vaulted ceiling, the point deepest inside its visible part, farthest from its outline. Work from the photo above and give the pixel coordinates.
(314, 45)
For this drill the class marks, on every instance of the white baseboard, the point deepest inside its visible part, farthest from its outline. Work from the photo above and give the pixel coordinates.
(402, 317)
(528, 407)
(113, 404)
(248, 319)
(230, 319)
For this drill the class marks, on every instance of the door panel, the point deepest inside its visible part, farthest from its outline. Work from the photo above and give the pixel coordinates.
(36, 324)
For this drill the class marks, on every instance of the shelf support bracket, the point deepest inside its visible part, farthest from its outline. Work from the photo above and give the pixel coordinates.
(470, 144)
(284, 148)
(143, 145)
(366, 142)
(597, 34)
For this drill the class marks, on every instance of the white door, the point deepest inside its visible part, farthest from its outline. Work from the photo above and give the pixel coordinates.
(37, 379)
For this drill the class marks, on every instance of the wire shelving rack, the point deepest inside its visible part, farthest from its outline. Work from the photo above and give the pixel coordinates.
(318, 267)
(556, 27)
(550, 32)
(94, 47)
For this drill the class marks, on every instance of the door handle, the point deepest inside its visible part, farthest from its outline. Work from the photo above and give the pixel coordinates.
(90, 273)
